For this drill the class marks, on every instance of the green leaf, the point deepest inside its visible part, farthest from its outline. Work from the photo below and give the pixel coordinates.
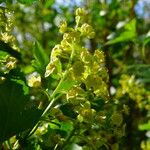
(66, 85)
(6, 48)
(73, 146)
(24, 87)
(145, 42)
(127, 35)
(67, 126)
(131, 26)
(41, 58)
(67, 110)
(140, 70)
(3, 56)
(49, 3)
(37, 66)
(63, 126)
(3, 60)
(145, 126)
(16, 115)
(40, 54)
(26, 1)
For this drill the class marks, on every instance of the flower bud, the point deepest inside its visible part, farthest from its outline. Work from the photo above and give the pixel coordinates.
(71, 37)
(86, 57)
(87, 114)
(34, 81)
(117, 119)
(93, 81)
(11, 63)
(56, 51)
(78, 69)
(50, 68)
(63, 27)
(87, 30)
(99, 56)
(68, 37)
(74, 93)
(65, 45)
(80, 12)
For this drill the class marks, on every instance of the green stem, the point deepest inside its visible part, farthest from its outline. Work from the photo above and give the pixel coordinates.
(52, 101)
(58, 86)
(7, 145)
(44, 112)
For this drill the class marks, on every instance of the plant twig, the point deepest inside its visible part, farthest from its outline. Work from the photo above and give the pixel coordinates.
(52, 97)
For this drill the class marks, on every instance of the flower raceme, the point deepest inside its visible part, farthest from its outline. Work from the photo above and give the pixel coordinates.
(71, 55)
(72, 61)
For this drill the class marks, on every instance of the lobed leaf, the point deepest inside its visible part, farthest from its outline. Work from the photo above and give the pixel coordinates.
(15, 115)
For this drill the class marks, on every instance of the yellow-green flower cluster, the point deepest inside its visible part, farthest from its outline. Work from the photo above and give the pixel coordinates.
(87, 30)
(71, 56)
(135, 90)
(6, 25)
(7, 63)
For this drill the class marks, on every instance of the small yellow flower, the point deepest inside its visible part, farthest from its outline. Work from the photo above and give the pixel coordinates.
(56, 52)
(51, 67)
(2, 79)
(11, 63)
(63, 27)
(80, 12)
(87, 30)
(117, 119)
(34, 81)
